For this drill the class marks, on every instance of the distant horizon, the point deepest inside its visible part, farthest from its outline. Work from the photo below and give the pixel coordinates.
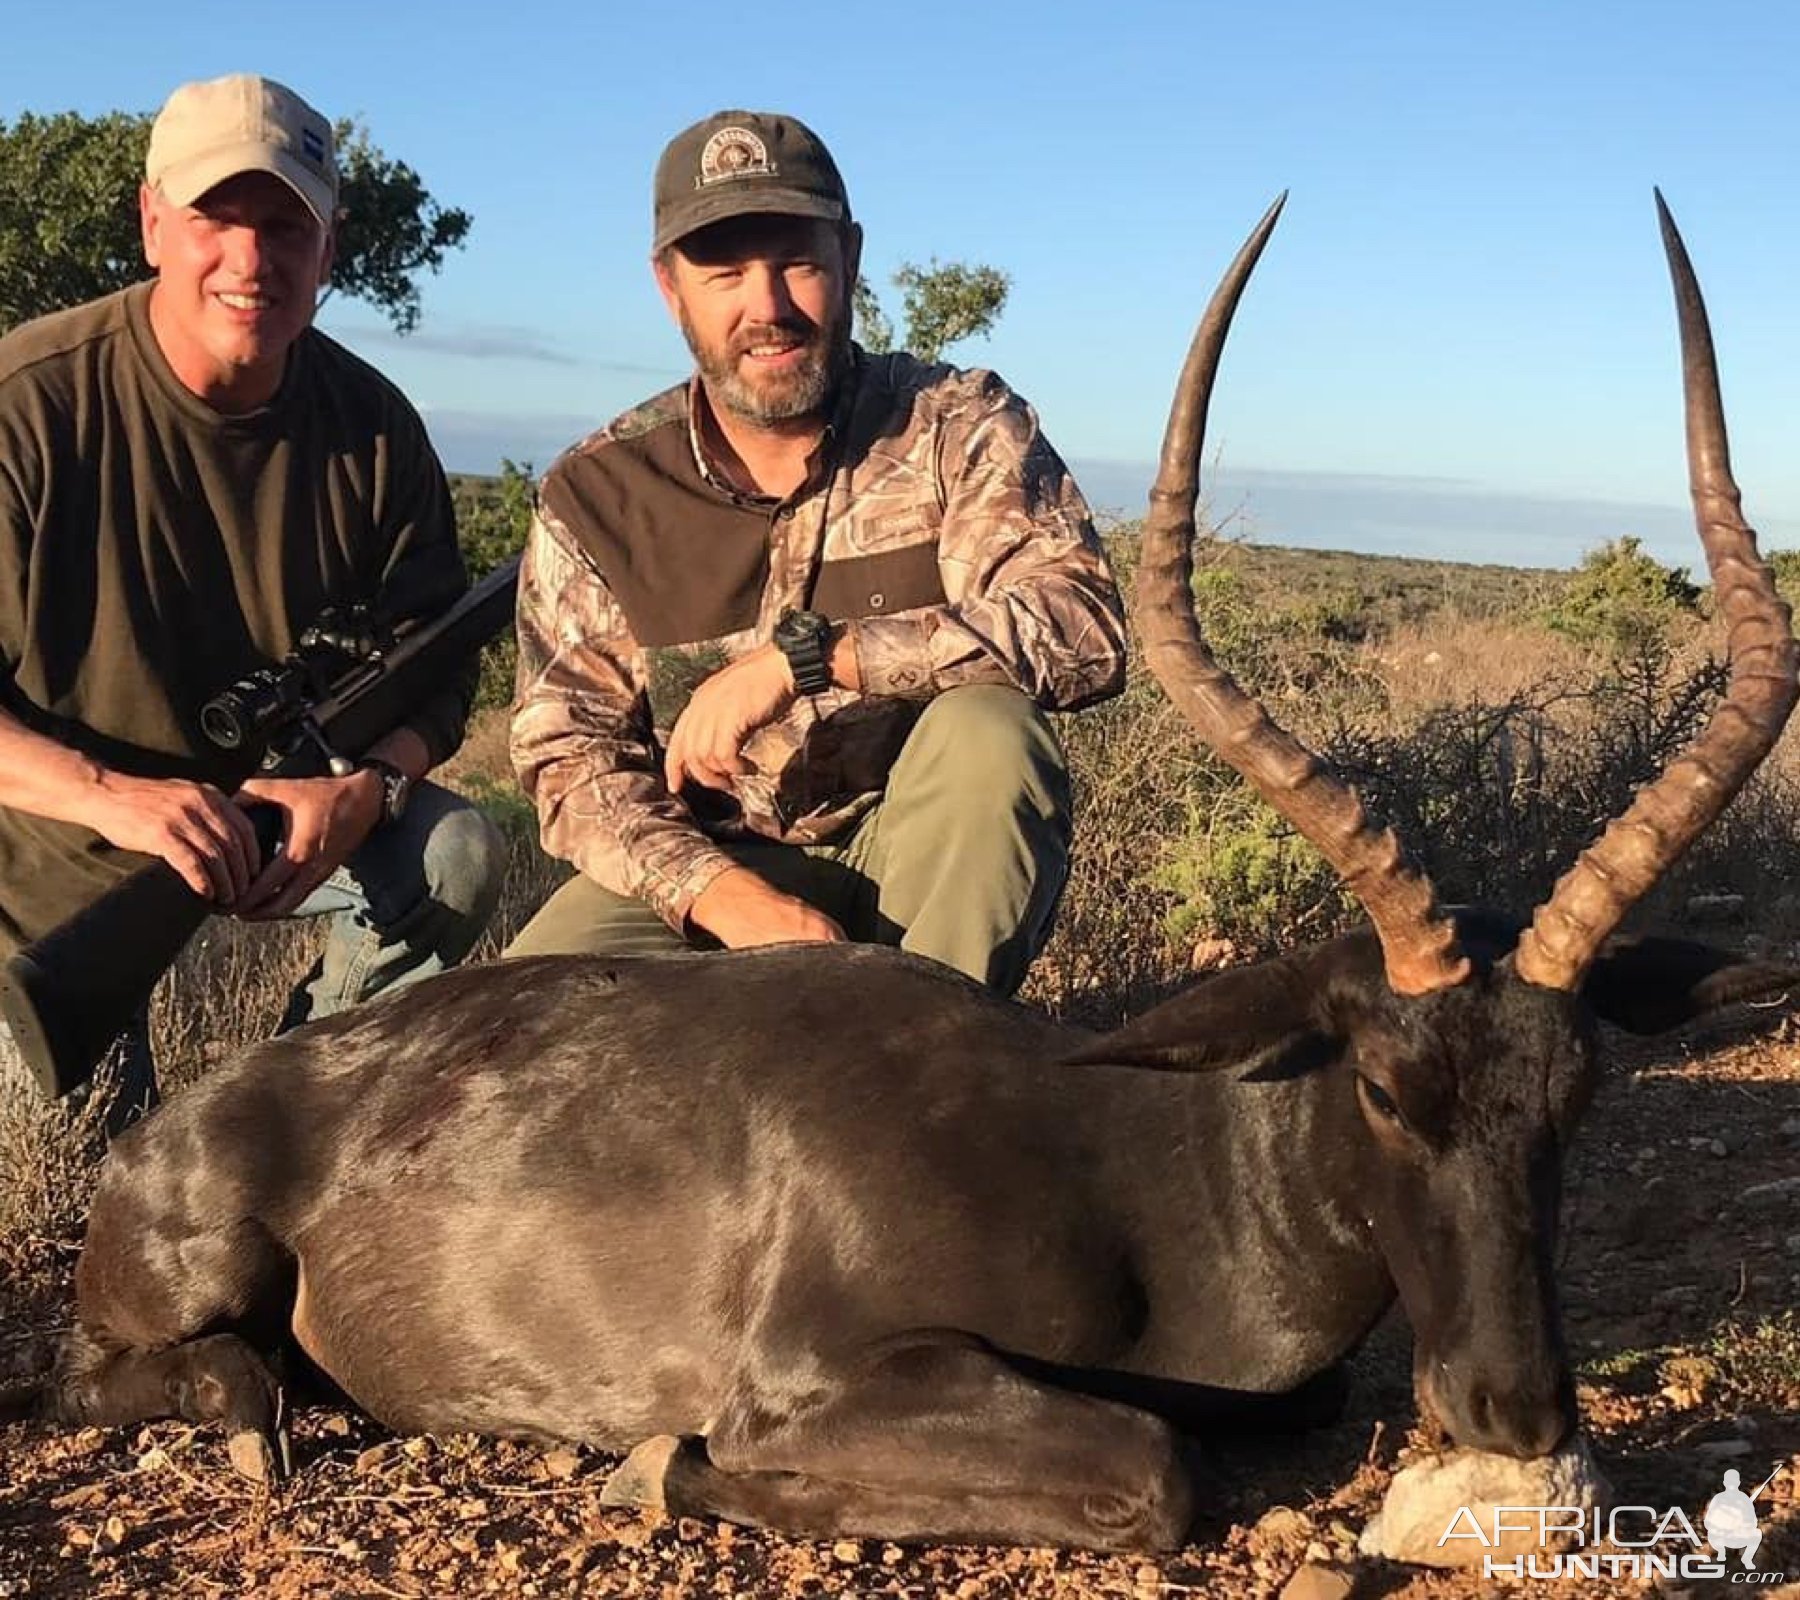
(1428, 518)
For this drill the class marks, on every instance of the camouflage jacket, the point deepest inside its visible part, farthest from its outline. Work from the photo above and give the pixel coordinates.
(935, 523)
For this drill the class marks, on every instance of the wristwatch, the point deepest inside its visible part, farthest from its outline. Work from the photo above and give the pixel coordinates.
(802, 636)
(396, 788)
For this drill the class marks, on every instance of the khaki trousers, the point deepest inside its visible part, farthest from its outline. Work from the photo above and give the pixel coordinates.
(962, 860)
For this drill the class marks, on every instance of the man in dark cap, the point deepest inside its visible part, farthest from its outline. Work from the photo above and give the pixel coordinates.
(788, 631)
(190, 473)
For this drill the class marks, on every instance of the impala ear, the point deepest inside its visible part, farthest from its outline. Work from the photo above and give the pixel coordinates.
(1223, 1021)
(1653, 985)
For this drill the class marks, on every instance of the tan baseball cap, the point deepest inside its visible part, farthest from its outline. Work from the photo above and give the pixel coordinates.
(210, 131)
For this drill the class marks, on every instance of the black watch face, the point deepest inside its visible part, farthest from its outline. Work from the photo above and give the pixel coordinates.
(800, 627)
(395, 789)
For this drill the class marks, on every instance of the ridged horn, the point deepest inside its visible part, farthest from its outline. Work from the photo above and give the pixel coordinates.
(1666, 816)
(1418, 942)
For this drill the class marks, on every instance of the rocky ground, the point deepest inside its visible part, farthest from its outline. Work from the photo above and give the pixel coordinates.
(1681, 1274)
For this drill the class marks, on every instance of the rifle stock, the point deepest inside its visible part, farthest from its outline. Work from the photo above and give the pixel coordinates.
(66, 997)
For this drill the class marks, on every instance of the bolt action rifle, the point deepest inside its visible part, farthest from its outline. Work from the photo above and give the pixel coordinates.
(68, 996)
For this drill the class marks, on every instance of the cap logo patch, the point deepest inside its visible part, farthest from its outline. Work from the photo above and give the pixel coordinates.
(312, 146)
(734, 153)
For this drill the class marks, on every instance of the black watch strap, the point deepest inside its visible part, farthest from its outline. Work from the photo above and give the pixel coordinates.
(803, 636)
(396, 787)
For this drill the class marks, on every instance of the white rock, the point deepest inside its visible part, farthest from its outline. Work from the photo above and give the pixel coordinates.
(1715, 907)
(1426, 1498)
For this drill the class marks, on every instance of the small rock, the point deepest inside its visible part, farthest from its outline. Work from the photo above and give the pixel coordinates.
(337, 1426)
(1427, 1499)
(1715, 907)
(1316, 1581)
(1777, 1192)
(562, 1463)
(1790, 1128)
(1283, 1525)
(1717, 1147)
(846, 1552)
(891, 1555)
(111, 1535)
(1725, 1449)
(1792, 1244)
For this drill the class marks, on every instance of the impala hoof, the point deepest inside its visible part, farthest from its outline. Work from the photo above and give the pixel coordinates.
(638, 1479)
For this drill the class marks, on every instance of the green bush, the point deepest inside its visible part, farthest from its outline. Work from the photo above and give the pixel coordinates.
(1785, 564)
(493, 516)
(1240, 873)
(1623, 600)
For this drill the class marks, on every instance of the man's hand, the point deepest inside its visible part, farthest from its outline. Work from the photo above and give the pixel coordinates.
(707, 740)
(323, 822)
(739, 909)
(192, 826)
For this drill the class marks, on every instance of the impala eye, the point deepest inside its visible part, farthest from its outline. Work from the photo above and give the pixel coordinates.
(1380, 1099)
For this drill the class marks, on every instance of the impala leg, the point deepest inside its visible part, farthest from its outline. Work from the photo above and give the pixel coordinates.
(215, 1379)
(170, 1316)
(934, 1442)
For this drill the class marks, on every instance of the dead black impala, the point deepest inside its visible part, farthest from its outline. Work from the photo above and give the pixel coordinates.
(835, 1242)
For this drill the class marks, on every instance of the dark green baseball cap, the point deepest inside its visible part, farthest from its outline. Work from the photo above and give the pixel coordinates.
(734, 163)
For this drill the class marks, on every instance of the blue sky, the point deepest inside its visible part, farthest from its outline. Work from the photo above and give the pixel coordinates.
(1461, 341)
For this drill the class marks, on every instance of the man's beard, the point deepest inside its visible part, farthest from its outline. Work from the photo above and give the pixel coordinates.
(785, 397)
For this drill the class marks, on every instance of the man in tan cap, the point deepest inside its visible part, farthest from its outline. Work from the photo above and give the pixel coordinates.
(787, 632)
(190, 474)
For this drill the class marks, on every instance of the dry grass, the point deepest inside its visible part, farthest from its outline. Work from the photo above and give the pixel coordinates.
(1493, 743)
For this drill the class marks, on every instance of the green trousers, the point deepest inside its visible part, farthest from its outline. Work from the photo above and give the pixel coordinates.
(962, 860)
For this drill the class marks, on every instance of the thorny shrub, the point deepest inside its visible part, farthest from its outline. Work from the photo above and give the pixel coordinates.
(1496, 747)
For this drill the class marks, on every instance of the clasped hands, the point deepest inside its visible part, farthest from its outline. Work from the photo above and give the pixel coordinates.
(206, 837)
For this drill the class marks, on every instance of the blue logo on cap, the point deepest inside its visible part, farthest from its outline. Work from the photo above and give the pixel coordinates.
(312, 146)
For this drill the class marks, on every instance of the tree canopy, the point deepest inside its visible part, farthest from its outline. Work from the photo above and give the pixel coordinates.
(940, 304)
(69, 216)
